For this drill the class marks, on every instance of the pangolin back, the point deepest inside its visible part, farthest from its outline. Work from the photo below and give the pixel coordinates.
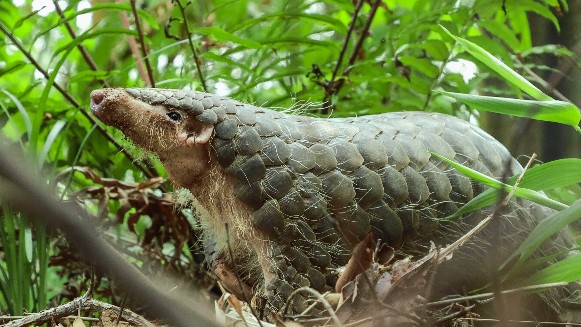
(318, 186)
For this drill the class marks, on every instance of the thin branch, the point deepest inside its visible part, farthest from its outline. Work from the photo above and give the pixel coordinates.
(142, 43)
(491, 294)
(333, 87)
(319, 297)
(44, 316)
(530, 322)
(197, 60)
(545, 86)
(438, 79)
(464, 311)
(88, 59)
(147, 171)
(563, 69)
(364, 34)
(68, 310)
(347, 38)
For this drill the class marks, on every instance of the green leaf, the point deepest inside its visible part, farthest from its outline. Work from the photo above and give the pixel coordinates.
(90, 75)
(482, 200)
(552, 110)
(550, 175)
(23, 112)
(12, 67)
(335, 24)
(28, 244)
(223, 36)
(96, 7)
(436, 48)
(425, 66)
(538, 9)
(503, 32)
(519, 191)
(225, 59)
(545, 229)
(52, 135)
(90, 35)
(300, 40)
(552, 49)
(567, 270)
(501, 68)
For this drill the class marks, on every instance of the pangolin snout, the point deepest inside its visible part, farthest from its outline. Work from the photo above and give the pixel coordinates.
(97, 97)
(103, 103)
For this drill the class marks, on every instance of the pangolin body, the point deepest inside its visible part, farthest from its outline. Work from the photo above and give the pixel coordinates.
(305, 189)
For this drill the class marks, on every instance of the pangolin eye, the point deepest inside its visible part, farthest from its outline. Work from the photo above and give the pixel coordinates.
(174, 115)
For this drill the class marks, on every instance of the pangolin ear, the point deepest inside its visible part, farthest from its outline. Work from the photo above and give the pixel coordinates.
(201, 135)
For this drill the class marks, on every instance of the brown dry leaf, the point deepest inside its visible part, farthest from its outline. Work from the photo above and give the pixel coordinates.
(237, 305)
(167, 223)
(133, 202)
(361, 260)
(400, 289)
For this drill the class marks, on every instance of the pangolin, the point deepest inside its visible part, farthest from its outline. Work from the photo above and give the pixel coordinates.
(297, 193)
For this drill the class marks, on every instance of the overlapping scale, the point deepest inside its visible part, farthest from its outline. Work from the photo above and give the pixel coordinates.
(319, 186)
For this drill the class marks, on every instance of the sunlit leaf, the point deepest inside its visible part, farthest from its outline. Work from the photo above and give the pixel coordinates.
(566, 270)
(552, 110)
(501, 68)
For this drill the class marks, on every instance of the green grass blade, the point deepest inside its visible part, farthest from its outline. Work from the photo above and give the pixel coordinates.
(499, 67)
(4, 292)
(547, 176)
(52, 135)
(546, 228)
(76, 159)
(9, 245)
(42, 252)
(553, 174)
(533, 264)
(24, 277)
(28, 244)
(519, 191)
(567, 270)
(22, 111)
(552, 110)
(482, 200)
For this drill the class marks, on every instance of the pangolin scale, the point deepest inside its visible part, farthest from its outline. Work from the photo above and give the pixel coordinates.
(306, 190)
